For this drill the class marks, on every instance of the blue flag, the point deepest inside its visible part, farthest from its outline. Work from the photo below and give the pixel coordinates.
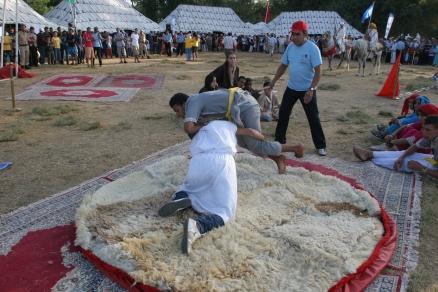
(367, 14)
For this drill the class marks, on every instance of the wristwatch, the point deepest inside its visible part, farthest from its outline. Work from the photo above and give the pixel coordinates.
(312, 88)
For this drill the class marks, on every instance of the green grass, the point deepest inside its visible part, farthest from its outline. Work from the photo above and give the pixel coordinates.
(183, 77)
(385, 114)
(415, 86)
(123, 125)
(358, 117)
(153, 117)
(88, 126)
(329, 86)
(53, 111)
(424, 277)
(9, 135)
(65, 121)
(342, 132)
(342, 119)
(355, 117)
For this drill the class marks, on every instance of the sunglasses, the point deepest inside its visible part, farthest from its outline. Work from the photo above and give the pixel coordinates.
(296, 33)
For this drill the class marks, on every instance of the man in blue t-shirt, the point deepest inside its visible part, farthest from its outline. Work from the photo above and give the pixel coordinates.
(303, 59)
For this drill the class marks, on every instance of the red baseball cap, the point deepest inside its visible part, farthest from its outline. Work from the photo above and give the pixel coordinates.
(428, 109)
(299, 25)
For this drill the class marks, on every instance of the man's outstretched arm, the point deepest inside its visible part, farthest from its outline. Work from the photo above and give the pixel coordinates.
(191, 128)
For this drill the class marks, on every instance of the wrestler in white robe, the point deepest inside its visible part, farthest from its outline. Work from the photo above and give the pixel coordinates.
(211, 181)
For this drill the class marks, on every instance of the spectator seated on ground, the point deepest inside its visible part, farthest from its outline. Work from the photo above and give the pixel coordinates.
(412, 102)
(407, 135)
(210, 84)
(241, 82)
(409, 160)
(269, 106)
(227, 74)
(248, 87)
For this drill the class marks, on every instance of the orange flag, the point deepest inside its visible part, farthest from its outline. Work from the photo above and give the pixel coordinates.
(391, 87)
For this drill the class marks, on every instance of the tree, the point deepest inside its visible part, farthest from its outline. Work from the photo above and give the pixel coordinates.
(40, 6)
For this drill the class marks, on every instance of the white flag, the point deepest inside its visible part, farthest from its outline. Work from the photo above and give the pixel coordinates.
(389, 24)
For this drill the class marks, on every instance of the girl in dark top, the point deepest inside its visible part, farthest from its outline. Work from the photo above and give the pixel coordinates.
(210, 84)
(227, 74)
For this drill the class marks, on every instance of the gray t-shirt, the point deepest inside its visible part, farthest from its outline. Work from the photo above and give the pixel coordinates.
(212, 105)
(120, 39)
(426, 143)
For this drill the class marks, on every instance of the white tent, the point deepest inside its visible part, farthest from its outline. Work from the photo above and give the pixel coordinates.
(105, 14)
(206, 19)
(319, 22)
(26, 15)
(261, 28)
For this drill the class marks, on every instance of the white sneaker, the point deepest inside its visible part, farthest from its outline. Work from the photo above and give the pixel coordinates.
(191, 233)
(322, 152)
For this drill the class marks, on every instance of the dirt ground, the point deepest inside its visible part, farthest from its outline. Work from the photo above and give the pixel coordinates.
(49, 159)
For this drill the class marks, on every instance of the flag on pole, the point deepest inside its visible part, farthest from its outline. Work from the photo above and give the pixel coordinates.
(389, 24)
(267, 14)
(367, 14)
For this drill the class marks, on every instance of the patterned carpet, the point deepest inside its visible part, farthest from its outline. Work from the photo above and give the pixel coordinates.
(91, 87)
(63, 267)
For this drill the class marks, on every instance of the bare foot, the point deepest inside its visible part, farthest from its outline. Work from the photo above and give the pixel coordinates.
(362, 154)
(281, 163)
(299, 151)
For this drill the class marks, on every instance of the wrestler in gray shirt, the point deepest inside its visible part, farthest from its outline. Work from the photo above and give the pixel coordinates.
(245, 112)
(200, 108)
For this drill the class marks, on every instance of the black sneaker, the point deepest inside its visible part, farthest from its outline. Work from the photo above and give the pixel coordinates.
(378, 134)
(174, 206)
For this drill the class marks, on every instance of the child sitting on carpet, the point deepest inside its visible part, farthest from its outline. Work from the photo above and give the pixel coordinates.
(210, 186)
(269, 106)
(409, 160)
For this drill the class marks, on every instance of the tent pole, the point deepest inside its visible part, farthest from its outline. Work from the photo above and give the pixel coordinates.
(16, 39)
(12, 87)
(3, 32)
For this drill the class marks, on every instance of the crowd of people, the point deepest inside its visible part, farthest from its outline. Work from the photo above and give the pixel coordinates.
(71, 46)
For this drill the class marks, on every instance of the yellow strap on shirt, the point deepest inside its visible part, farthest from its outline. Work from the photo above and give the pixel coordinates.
(431, 161)
(232, 92)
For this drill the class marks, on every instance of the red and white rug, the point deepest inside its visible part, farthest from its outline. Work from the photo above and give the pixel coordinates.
(91, 87)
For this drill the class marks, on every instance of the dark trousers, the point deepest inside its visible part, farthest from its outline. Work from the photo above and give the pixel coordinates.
(290, 97)
(33, 56)
(168, 49)
(98, 54)
(180, 49)
(42, 50)
(205, 222)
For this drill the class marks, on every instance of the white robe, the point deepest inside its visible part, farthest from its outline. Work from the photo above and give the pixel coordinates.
(211, 181)
(387, 159)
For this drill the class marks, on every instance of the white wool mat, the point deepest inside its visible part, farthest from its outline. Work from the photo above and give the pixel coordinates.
(302, 231)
